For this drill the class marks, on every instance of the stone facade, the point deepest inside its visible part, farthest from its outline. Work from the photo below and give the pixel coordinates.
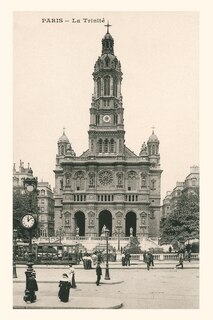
(190, 184)
(108, 184)
(46, 210)
(21, 174)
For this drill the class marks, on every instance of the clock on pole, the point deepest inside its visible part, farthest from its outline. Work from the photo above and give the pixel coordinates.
(28, 221)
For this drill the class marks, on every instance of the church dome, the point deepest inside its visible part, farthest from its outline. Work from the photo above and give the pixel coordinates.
(153, 138)
(63, 138)
(107, 36)
(107, 61)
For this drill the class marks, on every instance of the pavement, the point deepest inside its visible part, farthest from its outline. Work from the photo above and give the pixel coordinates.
(48, 277)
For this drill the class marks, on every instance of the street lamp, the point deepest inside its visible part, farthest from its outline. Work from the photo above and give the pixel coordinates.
(28, 222)
(107, 277)
(14, 253)
(118, 228)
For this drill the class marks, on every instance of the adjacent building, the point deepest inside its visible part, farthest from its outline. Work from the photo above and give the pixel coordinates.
(190, 184)
(45, 200)
(109, 184)
(46, 210)
(20, 174)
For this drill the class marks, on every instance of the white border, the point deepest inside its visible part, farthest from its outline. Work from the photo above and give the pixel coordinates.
(206, 17)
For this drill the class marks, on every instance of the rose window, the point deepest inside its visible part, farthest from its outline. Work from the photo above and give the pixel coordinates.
(105, 177)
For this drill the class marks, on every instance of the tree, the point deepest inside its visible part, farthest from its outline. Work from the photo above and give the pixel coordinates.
(22, 204)
(183, 223)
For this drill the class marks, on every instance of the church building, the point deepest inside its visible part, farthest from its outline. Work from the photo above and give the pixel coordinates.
(108, 185)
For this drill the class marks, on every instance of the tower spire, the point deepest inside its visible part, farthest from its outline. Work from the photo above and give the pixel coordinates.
(153, 128)
(107, 25)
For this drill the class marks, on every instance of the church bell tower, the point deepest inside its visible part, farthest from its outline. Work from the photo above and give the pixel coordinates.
(106, 130)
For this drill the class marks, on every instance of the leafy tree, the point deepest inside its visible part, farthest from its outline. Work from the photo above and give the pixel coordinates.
(183, 223)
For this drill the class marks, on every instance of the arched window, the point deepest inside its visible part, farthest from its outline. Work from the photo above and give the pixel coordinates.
(132, 180)
(98, 87)
(153, 149)
(107, 62)
(107, 86)
(115, 88)
(100, 146)
(115, 119)
(62, 150)
(106, 145)
(80, 180)
(112, 144)
(97, 119)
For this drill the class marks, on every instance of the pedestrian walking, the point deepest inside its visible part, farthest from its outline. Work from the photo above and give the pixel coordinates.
(151, 259)
(123, 259)
(99, 257)
(127, 259)
(180, 264)
(31, 288)
(148, 260)
(89, 262)
(189, 255)
(144, 256)
(64, 291)
(98, 273)
(71, 274)
(85, 261)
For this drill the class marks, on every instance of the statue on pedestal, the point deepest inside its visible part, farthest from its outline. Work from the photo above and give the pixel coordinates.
(103, 231)
(131, 232)
(77, 231)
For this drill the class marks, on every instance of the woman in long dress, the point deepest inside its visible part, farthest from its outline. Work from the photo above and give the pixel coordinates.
(64, 290)
(72, 276)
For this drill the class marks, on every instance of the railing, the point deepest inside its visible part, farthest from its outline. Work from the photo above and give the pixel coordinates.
(83, 238)
(163, 256)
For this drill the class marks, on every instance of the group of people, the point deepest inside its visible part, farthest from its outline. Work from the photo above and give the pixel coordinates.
(184, 254)
(66, 283)
(87, 261)
(125, 258)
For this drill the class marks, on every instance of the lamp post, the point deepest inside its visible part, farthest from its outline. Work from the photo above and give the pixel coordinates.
(28, 222)
(14, 253)
(107, 277)
(118, 228)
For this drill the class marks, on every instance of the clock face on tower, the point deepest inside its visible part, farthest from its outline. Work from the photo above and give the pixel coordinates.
(106, 118)
(28, 221)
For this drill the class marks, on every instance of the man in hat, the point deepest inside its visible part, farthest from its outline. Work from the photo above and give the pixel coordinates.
(98, 273)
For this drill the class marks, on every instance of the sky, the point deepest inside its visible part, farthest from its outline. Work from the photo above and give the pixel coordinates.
(52, 84)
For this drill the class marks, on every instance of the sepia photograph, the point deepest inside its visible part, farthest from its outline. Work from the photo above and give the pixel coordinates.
(106, 160)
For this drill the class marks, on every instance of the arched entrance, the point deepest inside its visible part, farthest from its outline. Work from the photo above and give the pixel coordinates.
(105, 218)
(130, 223)
(80, 223)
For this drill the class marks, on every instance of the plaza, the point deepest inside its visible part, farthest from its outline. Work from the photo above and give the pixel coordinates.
(163, 287)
